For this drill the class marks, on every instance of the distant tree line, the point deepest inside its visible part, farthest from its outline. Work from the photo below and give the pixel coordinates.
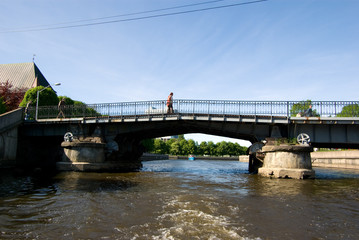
(182, 146)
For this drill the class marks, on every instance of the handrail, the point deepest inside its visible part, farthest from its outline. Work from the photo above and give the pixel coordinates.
(206, 107)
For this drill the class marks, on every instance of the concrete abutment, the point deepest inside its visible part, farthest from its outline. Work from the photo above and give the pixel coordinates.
(287, 161)
(92, 154)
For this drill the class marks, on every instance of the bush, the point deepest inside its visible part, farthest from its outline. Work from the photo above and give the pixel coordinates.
(47, 97)
(2, 106)
(11, 97)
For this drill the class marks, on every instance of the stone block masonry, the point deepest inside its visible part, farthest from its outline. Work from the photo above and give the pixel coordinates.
(336, 159)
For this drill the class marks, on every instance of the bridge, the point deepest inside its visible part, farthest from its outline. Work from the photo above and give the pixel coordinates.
(121, 126)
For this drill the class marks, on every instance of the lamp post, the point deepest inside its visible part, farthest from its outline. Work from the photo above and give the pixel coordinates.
(37, 98)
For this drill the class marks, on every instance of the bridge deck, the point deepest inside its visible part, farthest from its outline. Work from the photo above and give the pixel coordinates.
(207, 117)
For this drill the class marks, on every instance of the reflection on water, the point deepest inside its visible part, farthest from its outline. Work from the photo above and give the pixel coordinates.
(180, 199)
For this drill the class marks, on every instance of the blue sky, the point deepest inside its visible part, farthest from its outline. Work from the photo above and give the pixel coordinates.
(271, 50)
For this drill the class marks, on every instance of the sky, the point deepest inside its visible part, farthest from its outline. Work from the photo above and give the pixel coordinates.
(212, 50)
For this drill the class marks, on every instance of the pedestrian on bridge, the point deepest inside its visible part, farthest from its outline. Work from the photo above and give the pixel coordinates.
(27, 114)
(61, 107)
(170, 103)
(309, 112)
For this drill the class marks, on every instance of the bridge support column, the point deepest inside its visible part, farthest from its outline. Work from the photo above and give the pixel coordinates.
(92, 154)
(288, 161)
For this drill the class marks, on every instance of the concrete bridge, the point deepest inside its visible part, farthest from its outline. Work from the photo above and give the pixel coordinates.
(119, 127)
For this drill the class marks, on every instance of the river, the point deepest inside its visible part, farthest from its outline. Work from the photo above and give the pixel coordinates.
(180, 199)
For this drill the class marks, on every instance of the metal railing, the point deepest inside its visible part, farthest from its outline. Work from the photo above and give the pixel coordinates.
(201, 107)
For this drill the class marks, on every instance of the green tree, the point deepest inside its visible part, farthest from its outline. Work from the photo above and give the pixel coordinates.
(47, 97)
(159, 146)
(351, 110)
(301, 107)
(212, 148)
(2, 106)
(68, 101)
(240, 150)
(203, 148)
(148, 144)
(74, 108)
(231, 149)
(175, 148)
(183, 146)
(169, 144)
(191, 147)
(222, 148)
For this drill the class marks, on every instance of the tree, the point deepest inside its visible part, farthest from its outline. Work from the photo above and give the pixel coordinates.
(68, 101)
(231, 149)
(351, 110)
(183, 146)
(222, 148)
(159, 146)
(148, 144)
(2, 106)
(11, 96)
(203, 149)
(191, 147)
(212, 148)
(175, 148)
(301, 107)
(47, 97)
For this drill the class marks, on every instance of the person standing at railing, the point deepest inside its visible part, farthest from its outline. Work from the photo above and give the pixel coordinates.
(170, 103)
(27, 114)
(61, 107)
(309, 112)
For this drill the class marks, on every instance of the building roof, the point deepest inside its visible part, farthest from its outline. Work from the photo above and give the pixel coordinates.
(22, 75)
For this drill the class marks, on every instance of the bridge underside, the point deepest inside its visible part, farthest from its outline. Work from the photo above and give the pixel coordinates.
(122, 138)
(322, 133)
(328, 135)
(252, 132)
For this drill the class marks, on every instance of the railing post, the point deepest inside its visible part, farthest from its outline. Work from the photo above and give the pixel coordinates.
(288, 109)
(335, 108)
(255, 108)
(208, 103)
(108, 110)
(122, 111)
(239, 108)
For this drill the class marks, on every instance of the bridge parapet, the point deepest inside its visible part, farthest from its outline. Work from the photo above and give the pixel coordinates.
(203, 107)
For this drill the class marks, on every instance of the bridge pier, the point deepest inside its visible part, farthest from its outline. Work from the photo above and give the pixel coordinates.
(287, 161)
(87, 154)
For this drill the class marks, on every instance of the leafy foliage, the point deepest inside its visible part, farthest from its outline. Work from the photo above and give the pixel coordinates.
(11, 97)
(181, 146)
(301, 107)
(68, 101)
(351, 110)
(47, 97)
(2, 106)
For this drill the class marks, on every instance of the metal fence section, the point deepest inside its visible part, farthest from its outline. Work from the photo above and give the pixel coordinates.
(200, 107)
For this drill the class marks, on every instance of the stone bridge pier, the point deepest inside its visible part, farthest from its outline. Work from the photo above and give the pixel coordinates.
(97, 152)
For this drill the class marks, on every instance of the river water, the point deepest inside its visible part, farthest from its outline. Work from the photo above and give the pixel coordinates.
(179, 199)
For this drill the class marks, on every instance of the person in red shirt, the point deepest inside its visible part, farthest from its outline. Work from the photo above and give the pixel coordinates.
(170, 103)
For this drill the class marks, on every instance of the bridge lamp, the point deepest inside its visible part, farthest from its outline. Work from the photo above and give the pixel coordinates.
(37, 98)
